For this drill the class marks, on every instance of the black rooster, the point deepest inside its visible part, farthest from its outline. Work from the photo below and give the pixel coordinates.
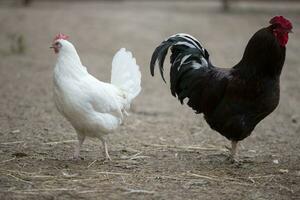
(232, 100)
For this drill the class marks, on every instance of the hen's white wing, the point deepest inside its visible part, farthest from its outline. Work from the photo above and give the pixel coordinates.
(103, 97)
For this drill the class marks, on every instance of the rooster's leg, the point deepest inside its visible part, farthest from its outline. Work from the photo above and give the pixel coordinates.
(105, 149)
(78, 147)
(233, 149)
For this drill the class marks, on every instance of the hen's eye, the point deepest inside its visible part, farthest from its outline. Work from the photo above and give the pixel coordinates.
(57, 43)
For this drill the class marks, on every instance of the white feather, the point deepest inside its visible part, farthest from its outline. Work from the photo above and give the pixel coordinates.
(94, 108)
(185, 58)
(190, 38)
(196, 65)
(186, 44)
(125, 74)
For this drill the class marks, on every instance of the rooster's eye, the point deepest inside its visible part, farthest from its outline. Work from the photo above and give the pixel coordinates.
(57, 43)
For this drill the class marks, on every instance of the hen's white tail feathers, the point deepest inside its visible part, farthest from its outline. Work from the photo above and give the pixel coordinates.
(125, 74)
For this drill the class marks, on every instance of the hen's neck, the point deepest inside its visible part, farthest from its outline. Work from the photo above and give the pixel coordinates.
(69, 65)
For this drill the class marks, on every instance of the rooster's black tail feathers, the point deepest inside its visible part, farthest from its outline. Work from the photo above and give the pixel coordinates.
(187, 55)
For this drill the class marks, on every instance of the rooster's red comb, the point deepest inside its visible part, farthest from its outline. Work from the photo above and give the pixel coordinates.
(61, 36)
(285, 23)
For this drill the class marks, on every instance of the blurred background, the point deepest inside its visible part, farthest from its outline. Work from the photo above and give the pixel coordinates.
(32, 131)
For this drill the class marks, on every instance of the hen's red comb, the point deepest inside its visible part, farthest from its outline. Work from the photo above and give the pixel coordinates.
(61, 36)
(285, 23)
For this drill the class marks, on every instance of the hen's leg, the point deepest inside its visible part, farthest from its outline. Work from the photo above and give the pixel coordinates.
(105, 149)
(78, 147)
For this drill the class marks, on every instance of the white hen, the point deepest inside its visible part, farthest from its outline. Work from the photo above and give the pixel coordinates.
(94, 108)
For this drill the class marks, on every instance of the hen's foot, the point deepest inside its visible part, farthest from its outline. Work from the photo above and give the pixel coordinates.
(76, 158)
(76, 155)
(106, 150)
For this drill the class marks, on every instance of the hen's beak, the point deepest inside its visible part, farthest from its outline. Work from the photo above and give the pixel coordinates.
(54, 48)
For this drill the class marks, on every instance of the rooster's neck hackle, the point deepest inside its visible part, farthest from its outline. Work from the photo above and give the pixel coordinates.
(263, 56)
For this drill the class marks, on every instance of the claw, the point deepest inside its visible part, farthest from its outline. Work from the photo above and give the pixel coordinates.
(76, 158)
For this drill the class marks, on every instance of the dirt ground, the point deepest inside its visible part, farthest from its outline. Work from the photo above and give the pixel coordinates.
(164, 150)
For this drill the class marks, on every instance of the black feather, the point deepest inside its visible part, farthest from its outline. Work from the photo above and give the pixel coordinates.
(159, 56)
(233, 100)
(180, 47)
